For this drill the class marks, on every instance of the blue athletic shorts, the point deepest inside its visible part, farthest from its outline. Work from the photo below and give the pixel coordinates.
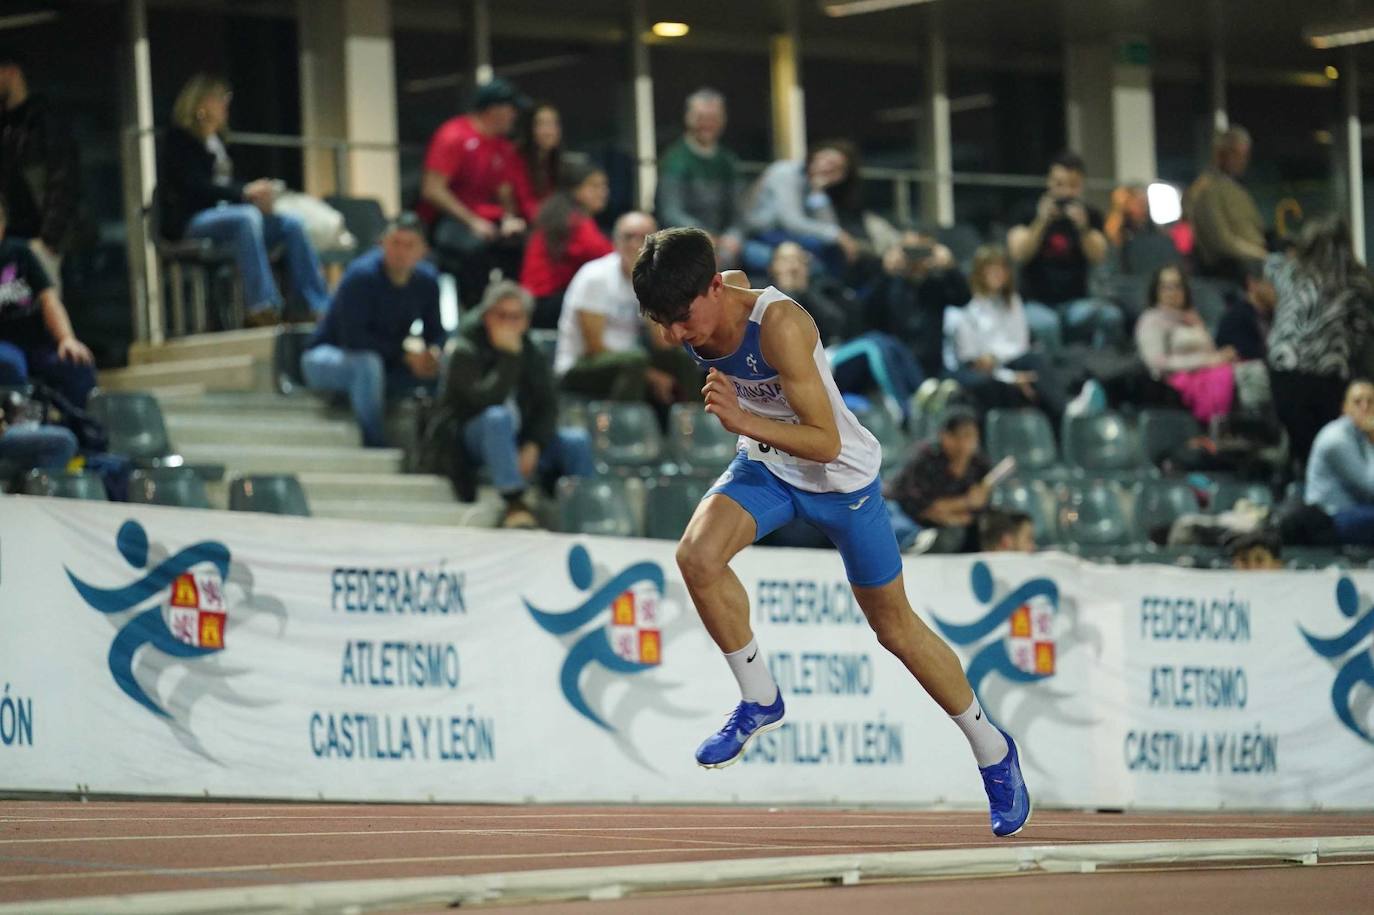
(856, 522)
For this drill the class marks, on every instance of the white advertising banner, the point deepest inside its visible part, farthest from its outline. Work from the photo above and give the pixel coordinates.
(166, 651)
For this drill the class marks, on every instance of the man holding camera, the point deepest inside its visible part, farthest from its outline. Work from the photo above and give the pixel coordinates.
(920, 280)
(1055, 249)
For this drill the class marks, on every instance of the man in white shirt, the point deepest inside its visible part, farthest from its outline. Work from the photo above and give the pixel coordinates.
(605, 350)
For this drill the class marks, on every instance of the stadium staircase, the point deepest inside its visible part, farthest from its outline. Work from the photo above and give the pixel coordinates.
(220, 401)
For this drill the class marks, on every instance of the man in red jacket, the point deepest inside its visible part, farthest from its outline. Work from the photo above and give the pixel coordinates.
(467, 195)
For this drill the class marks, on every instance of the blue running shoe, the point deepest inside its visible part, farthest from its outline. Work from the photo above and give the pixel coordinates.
(1008, 800)
(727, 745)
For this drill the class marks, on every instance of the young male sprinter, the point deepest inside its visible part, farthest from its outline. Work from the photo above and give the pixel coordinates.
(802, 454)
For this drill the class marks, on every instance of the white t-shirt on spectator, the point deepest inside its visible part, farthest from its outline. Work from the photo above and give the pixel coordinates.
(991, 328)
(600, 287)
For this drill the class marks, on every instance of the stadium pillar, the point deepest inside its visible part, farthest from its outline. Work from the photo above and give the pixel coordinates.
(482, 70)
(1110, 109)
(139, 158)
(646, 139)
(937, 200)
(1354, 150)
(348, 94)
(789, 100)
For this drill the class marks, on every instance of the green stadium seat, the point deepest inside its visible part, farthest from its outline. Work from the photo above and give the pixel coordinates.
(624, 435)
(1103, 442)
(1024, 434)
(1163, 431)
(1091, 515)
(1033, 498)
(64, 485)
(1158, 504)
(275, 494)
(546, 341)
(133, 420)
(595, 505)
(670, 502)
(697, 439)
(180, 486)
(1230, 492)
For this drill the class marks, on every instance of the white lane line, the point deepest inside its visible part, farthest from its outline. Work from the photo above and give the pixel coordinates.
(432, 859)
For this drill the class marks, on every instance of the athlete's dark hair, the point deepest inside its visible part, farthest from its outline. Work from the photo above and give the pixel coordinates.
(996, 524)
(674, 267)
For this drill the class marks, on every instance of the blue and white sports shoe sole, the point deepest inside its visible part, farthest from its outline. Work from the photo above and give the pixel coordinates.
(747, 721)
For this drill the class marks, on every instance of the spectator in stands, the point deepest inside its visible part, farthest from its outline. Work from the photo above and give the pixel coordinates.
(699, 180)
(1226, 223)
(920, 280)
(37, 342)
(39, 169)
(499, 409)
(1246, 323)
(992, 343)
(1175, 346)
(942, 485)
(1056, 247)
(27, 442)
(1340, 473)
(363, 347)
(830, 305)
(791, 203)
(565, 237)
(199, 198)
(1256, 551)
(541, 151)
(470, 191)
(602, 350)
(1129, 215)
(1322, 329)
(1006, 532)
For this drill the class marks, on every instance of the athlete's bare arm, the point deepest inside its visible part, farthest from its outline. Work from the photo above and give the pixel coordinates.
(788, 340)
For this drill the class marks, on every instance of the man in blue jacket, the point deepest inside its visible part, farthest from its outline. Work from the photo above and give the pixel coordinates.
(363, 346)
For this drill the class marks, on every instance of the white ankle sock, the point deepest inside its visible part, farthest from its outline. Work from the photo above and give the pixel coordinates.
(755, 681)
(989, 746)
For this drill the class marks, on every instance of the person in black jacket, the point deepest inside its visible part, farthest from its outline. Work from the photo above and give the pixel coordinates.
(39, 173)
(919, 281)
(1245, 325)
(199, 198)
(499, 409)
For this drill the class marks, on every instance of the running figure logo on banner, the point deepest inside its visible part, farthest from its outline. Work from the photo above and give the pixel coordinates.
(1356, 671)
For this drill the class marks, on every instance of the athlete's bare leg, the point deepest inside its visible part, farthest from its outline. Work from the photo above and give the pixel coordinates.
(933, 663)
(719, 529)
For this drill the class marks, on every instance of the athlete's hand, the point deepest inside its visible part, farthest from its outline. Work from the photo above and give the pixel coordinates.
(722, 402)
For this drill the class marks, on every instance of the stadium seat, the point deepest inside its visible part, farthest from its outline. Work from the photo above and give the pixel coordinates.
(179, 486)
(1314, 557)
(363, 218)
(64, 485)
(1033, 498)
(1209, 298)
(203, 263)
(1091, 515)
(595, 505)
(1229, 492)
(1163, 431)
(1103, 442)
(698, 440)
(133, 420)
(962, 240)
(1158, 503)
(274, 494)
(1023, 434)
(545, 340)
(625, 436)
(1130, 292)
(1145, 253)
(670, 502)
(888, 431)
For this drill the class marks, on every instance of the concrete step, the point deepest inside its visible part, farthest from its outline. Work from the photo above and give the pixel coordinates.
(408, 487)
(454, 514)
(258, 342)
(297, 459)
(220, 373)
(251, 405)
(204, 428)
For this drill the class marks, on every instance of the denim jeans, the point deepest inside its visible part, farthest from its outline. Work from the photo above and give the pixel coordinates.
(1099, 322)
(32, 445)
(252, 235)
(903, 526)
(20, 366)
(879, 359)
(489, 439)
(1355, 525)
(361, 374)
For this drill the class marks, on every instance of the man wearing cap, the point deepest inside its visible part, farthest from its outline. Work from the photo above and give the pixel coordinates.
(363, 347)
(467, 195)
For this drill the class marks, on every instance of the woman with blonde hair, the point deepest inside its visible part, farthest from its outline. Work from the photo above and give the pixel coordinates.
(992, 342)
(199, 198)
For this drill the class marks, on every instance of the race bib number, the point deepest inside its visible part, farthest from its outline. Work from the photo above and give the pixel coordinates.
(758, 451)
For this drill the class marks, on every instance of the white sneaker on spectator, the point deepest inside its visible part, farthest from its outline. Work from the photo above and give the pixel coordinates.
(925, 539)
(1091, 400)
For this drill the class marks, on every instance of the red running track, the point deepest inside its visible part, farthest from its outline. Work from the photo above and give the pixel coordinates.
(63, 849)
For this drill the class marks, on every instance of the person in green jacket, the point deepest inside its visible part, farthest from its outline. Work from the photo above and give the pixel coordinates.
(498, 408)
(699, 180)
